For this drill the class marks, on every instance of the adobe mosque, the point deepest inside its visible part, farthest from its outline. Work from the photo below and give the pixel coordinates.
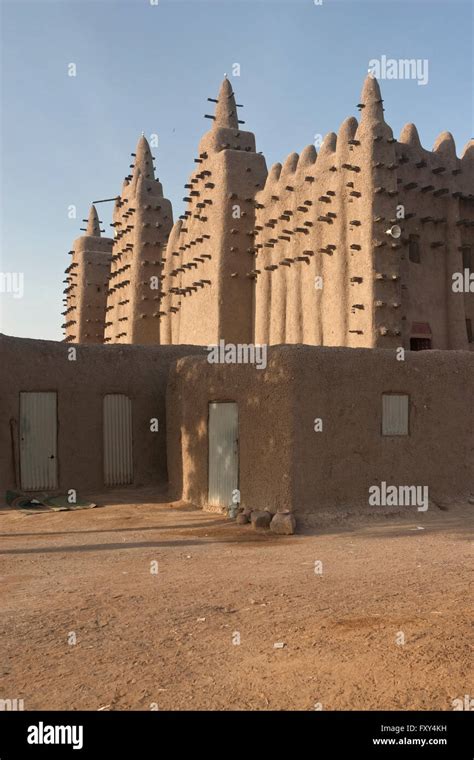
(358, 245)
(341, 267)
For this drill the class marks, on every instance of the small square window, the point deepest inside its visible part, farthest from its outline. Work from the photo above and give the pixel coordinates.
(420, 344)
(395, 412)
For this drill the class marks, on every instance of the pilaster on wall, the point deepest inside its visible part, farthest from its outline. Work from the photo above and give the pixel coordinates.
(444, 153)
(264, 295)
(142, 222)
(171, 301)
(86, 285)
(380, 320)
(466, 221)
(295, 264)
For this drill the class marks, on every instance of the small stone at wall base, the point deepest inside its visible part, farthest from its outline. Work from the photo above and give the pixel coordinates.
(471, 499)
(260, 519)
(242, 518)
(283, 523)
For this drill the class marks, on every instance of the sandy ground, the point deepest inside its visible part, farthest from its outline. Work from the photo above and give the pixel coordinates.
(170, 640)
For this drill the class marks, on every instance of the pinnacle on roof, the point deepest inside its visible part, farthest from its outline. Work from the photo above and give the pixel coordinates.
(144, 159)
(93, 225)
(409, 136)
(468, 152)
(226, 108)
(371, 99)
(444, 145)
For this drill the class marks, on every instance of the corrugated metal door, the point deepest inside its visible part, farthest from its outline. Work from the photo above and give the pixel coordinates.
(118, 457)
(223, 453)
(395, 414)
(38, 441)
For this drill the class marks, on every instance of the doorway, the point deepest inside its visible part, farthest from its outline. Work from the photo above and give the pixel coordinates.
(223, 470)
(38, 441)
(118, 450)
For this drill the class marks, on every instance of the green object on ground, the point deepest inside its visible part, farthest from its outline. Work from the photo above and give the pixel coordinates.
(42, 502)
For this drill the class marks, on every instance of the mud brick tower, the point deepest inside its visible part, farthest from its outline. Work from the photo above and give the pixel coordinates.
(86, 285)
(142, 221)
(210, 258)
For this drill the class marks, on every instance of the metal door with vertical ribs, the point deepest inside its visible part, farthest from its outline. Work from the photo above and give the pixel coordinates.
(118, 456)
(38, 441)
(223, 453)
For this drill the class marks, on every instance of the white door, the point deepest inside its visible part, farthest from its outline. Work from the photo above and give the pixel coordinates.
(38, 441)
(118, 456)
(223, 453)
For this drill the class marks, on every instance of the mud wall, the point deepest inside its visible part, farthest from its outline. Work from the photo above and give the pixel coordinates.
(139, 372)
(286, 463)
(314, 253)
(338, 465)
(266, 425)
(435, 190)
(326, 216)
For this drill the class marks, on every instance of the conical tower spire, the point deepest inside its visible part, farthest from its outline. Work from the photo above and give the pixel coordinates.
(144, 159)
(226, 109)
(93, 225)
(371, 100)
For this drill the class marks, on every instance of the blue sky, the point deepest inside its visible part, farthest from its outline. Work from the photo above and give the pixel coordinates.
(142, 67)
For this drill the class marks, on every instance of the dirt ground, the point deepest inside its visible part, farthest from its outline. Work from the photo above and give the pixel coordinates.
(170, 640)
